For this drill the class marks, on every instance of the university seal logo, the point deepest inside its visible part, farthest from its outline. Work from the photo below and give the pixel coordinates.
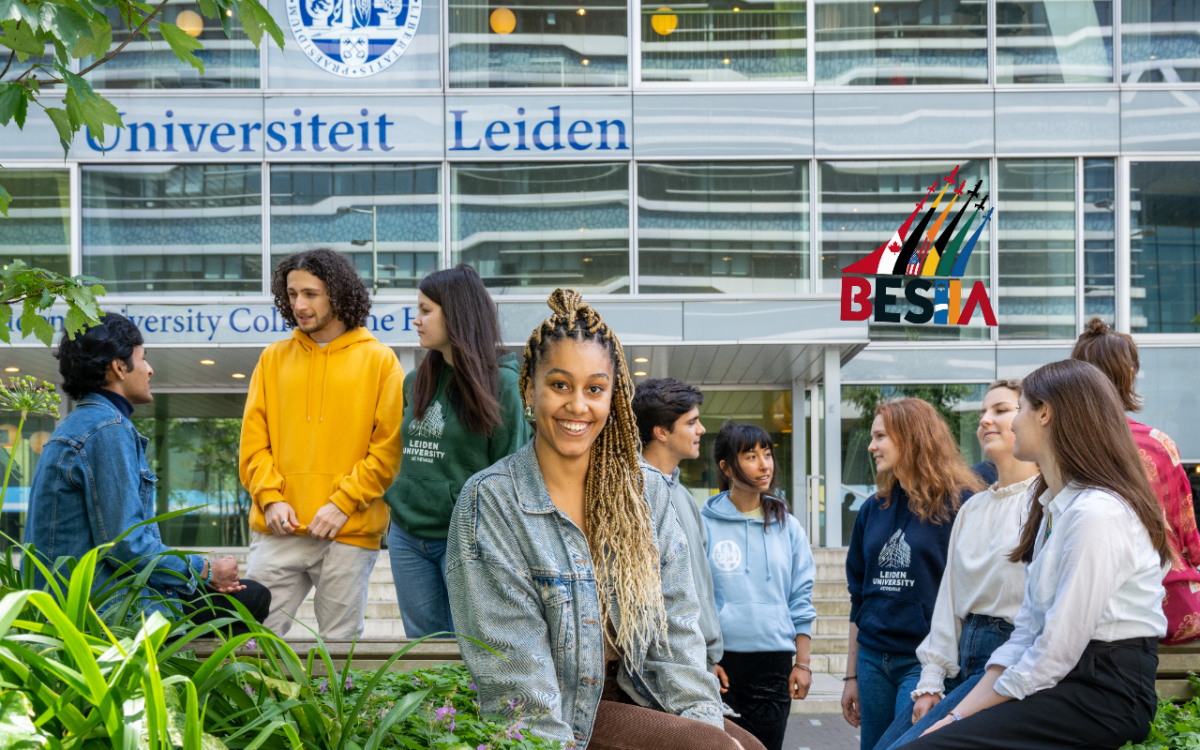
(354, 38)
(431, 425)
(726, 555)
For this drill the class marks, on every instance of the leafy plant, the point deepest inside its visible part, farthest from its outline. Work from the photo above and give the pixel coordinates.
(24, 395)
(51, 33)
(36, 290)
(1175, 726)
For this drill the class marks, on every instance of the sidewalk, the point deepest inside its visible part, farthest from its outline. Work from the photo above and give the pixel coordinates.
(820, 732)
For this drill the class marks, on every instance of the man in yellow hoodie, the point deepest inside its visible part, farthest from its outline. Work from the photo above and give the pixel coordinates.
(320, 444)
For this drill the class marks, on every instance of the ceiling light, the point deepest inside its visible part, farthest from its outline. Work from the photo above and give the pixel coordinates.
(641, 359)
(229, 13)
(639, 373)
(12, 369)
(587, 260)
(727, 258)
(238, 375)
(502, 21)
(735, 10)
(207, 362)
(585, 62)
(726, 61)
(876, 8)
(581, 12)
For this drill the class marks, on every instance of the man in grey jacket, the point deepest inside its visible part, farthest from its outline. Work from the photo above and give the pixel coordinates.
(668, 418)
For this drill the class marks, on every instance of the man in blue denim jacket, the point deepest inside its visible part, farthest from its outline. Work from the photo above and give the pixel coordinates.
(92, 481)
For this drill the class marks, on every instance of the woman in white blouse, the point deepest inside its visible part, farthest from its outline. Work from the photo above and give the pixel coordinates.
(1078, 671)
(981, 589)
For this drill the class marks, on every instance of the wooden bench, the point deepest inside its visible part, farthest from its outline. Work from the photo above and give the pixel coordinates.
(1174, 664)
(369, 653)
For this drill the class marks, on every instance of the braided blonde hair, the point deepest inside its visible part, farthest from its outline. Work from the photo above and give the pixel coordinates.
(620, 532)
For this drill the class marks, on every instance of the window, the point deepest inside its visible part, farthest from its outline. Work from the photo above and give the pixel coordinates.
(1037, 249)
(229, 63)
(725, 40)
(1099, 240)
(890, 43)
(725, 228)
(386, 215)
(553, 44)
(191, 228)
(1160, 41)
(530, 228)
(38, 227)
(1054, 41)
(193, 451)
(1164, 243)
(958, 405)
(34, 435)
(863, 203)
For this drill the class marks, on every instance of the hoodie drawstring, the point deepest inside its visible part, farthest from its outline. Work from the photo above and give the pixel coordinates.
(324, 385)
(308, 388)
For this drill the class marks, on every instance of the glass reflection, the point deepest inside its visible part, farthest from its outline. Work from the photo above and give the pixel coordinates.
(552, 44)
(385, 215)
(1160, 41)
(1164, 242)
(1054, 41)
(725, 40)
(158, 229)
(530, 228)
(38, 227)
(1099, 239)
(901, 42)
(723, 228)
(861, 205)
(1037, 249)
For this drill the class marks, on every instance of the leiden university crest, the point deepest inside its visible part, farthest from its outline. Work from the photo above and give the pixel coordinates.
(354, 38)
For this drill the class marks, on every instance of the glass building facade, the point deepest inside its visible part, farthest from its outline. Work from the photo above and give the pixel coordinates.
(702, 170)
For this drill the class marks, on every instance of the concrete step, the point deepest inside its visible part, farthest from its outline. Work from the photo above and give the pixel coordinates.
(829, 644)
(833, 607)
(832, 626)
(831, 590)
(834, 664)
(372, 629)
(831, 573)
(829, 555)
(375, 611)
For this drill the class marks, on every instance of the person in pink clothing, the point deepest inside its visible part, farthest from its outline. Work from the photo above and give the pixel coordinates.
(1117, 357)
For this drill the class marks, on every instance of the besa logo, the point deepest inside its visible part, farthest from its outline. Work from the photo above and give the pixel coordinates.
(547, 135)
(354, 38)
(938, 261)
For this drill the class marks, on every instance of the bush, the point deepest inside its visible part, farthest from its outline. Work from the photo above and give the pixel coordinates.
(1176, 726)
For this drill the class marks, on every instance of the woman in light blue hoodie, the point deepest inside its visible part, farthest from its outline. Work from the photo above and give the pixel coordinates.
(763, 575)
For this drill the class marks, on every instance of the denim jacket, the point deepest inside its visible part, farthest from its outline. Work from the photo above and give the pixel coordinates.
(92, 482)
(521, 580)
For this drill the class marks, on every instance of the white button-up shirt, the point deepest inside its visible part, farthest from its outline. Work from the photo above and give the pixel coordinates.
(1096, 577)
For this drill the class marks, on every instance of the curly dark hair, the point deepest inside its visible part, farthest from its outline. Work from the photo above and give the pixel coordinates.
(348, 296)
(83, 361)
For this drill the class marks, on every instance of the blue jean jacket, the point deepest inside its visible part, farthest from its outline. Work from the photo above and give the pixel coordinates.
(92, 482)
(521, 580)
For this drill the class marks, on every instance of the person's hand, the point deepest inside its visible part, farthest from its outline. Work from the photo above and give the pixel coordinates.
(225, 576)
(937, 726)
(851, 708)
(923, 704)
(328, 521)
(281, 518)
(799, 682)
(724, 678)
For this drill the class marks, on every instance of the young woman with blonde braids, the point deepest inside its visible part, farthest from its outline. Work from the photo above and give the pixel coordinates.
(567, 560)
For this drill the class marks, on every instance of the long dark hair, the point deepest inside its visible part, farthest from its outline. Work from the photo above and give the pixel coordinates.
(1092, 446)
(1115, 354)
(930, 467)
(474, 331)
(734, 439)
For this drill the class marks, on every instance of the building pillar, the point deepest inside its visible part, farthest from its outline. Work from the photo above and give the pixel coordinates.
(798, 492)
(833, 446)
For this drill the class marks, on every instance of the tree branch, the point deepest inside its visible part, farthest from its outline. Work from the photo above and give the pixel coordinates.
(129, 39)
(11, 55)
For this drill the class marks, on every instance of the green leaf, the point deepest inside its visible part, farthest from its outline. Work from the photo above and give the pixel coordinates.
(14, 103)
(16, 722)
(86, 107)
(5, 199)
(62, 123)
(96, 44)
(15, 10)
(255, 19)
(22, 38)
(63, 23)
(182, 44)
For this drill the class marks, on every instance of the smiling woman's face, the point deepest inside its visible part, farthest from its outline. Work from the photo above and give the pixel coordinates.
(571, 395)
(995, 434)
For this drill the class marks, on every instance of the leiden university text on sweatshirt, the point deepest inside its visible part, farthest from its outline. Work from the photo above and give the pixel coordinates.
(762, 582)
(440, 454)
(322, 424)
(893, 569)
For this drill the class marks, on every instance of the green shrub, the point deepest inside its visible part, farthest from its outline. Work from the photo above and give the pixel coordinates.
(1176, 725)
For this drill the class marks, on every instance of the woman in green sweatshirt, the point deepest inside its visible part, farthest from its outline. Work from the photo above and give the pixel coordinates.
(462, 413)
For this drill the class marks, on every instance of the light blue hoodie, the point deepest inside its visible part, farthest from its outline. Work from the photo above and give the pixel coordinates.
(762, 581)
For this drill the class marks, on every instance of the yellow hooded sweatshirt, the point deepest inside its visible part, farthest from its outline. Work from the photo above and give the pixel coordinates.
(322, 424)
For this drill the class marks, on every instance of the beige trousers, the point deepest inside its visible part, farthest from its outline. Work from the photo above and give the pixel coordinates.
(290, 566)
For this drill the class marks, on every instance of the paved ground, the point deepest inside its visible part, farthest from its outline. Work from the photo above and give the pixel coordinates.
(820, 732)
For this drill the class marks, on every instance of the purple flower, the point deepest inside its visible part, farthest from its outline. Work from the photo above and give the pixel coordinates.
(251, 644)
(445, 711)
(323, 687)
(482, 747)
(249, 690)
(452, 725)
(349, 685)
(472, 686)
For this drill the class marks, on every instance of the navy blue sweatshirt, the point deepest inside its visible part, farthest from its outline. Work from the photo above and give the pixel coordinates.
(893, 569)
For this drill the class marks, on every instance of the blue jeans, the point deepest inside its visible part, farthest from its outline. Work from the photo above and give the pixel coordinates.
(981, 635)
(884, 682)
(419, 574)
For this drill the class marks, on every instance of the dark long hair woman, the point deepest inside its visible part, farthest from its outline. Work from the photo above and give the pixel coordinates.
(1078, 670)
(462, 413)
(565, 559)
(896, 559)
(763, 574)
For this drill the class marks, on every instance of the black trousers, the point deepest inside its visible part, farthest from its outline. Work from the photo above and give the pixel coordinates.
(255, 597)
(1107, 700)
(758, 691)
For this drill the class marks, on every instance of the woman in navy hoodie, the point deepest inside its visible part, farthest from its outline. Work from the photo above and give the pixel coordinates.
(896, 558)
(762, 579)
